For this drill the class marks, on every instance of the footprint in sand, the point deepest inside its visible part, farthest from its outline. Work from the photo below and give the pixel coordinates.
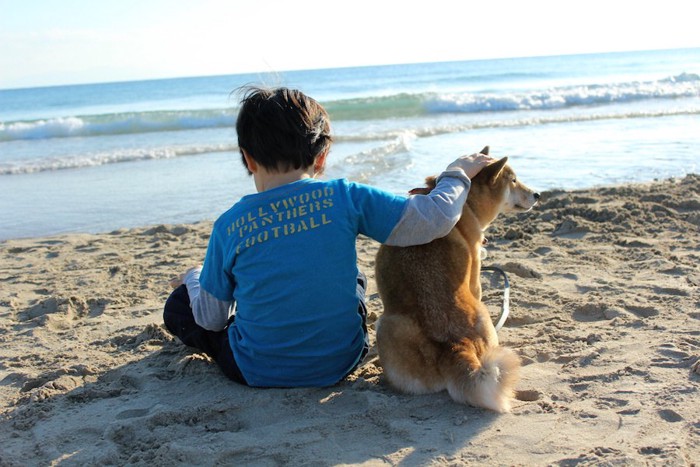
(61, 313)
(643, 311)
(521, 270)
(590, 312)
(696, 367)
(528, 395)
(670, 357)
(670, 415)
(132, 413)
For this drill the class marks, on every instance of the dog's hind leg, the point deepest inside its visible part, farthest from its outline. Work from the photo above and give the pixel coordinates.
(409, 359)
(487, 380)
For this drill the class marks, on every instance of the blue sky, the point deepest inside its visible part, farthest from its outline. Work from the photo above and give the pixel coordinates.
(50, 42)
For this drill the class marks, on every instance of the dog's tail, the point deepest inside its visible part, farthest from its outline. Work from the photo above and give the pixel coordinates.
(489, 381)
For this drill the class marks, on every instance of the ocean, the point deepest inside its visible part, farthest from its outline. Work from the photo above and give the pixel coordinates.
(99, 157)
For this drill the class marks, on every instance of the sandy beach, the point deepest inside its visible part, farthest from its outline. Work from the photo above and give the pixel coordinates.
(605, 313)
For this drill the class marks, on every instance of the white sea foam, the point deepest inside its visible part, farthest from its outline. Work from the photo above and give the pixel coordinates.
(683, 85)
(394, 141)
(115, 124)
(363, 165)
(102, 158)
(440, 129)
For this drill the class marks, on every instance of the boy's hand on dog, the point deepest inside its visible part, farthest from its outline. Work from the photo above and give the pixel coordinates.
(471, 164)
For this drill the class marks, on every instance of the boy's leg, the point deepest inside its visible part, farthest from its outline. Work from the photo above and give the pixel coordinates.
(179, 320)
(227, 362)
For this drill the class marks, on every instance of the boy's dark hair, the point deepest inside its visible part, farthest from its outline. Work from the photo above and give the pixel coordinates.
(282, 129)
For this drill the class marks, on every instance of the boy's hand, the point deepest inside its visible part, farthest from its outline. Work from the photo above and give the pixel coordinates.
(471, 164)
(177, 281)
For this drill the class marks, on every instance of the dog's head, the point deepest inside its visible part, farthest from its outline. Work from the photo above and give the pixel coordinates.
(498, 185)
(494, 190)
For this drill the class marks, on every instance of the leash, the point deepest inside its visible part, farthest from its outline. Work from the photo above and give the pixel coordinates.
(505, 310)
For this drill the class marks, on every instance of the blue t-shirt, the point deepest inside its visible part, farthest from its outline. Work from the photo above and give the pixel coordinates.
(287, 257)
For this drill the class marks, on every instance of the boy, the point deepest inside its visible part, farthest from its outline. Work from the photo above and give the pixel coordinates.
(284, 258)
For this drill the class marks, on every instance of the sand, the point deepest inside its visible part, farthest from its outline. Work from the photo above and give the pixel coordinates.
(605, 312)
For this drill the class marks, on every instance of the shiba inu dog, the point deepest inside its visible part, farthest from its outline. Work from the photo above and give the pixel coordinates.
(435, 333)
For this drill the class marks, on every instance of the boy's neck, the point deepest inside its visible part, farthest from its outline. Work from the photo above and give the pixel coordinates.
(265, 180)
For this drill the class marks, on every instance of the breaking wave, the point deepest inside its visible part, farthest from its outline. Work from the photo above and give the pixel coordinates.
(401, 105)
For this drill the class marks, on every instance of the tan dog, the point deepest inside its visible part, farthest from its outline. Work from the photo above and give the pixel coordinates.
(435, 333)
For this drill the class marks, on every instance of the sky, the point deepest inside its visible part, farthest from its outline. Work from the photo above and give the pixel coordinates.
(55, 42)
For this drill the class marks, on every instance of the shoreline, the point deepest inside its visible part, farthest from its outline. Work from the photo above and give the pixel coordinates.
(605, 297)
(225, 204)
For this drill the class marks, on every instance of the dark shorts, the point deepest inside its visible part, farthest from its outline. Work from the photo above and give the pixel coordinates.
(179, 320)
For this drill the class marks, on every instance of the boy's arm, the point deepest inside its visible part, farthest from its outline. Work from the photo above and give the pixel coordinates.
(431, 216)
(209, 312)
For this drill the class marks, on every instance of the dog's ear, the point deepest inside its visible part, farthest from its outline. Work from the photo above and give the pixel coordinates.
(431, 183)
(485, 151)
(492, 171)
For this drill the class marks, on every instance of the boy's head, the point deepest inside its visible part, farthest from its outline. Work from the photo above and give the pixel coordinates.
(282, 129)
